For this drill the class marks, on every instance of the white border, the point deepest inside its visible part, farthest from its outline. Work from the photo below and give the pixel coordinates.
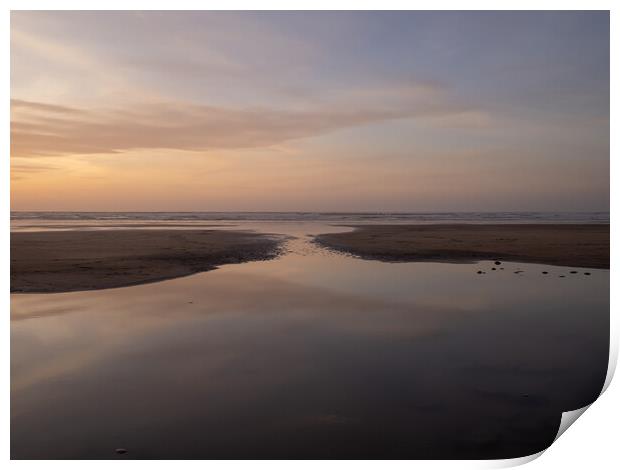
(592, 442)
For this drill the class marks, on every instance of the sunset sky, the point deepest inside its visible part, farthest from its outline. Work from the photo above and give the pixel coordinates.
(312, 111)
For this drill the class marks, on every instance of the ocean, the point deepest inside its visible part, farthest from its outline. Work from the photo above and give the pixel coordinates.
(22, 220)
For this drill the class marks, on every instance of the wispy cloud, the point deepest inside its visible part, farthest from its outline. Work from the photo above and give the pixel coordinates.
(20, 171)
(17, 105)
(48, 129)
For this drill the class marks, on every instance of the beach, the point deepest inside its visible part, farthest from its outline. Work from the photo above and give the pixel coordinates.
(64, 261)
(331, 347)
(304, 355)
(74, 260)
(577, 245)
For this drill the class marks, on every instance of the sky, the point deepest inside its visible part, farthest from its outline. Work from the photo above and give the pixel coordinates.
(310, 111)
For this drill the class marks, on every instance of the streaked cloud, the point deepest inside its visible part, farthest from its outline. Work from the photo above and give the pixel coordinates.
(20, 171)
(48, 129)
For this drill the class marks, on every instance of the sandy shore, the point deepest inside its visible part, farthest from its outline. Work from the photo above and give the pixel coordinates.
(583, 245)
(82, 260)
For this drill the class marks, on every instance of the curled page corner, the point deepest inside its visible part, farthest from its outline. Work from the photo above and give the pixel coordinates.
(568, 418)
(517, 461)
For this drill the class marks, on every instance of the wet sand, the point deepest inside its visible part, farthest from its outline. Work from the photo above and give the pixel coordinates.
(84, 260)
(577, 245)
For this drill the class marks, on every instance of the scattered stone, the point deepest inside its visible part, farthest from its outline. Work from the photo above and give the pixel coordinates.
(586, 274)
(492, 269)
(480, 272)
(562, 275)
(498, 263)
(545, 272)
(120, 450)
(573, 272)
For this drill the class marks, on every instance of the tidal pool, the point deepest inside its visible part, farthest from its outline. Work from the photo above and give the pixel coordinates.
(311, 355)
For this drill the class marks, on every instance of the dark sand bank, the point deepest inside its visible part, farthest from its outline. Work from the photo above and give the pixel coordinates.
(579, 245)
(83, 260)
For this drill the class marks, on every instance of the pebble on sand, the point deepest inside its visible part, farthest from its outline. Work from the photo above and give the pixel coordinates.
(586, 274)
(492, 269)
(562, 275)
(573, 272)
(545, 272)
(498, 263)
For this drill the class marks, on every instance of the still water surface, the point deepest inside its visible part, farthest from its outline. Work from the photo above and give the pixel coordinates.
(312, 355)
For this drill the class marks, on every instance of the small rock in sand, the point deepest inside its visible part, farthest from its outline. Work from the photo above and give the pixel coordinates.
(573, 272)
(586, 274)
(498, 263)
(545, 272)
